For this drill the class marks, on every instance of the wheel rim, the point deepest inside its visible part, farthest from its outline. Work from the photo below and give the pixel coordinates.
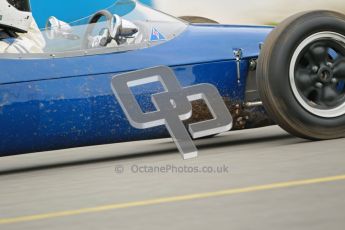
(317, 74)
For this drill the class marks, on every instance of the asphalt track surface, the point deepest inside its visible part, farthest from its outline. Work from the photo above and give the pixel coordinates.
(273, 181)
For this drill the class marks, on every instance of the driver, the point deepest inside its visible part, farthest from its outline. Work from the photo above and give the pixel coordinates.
(19, 32)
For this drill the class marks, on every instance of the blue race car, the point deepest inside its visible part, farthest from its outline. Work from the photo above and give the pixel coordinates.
(292, 75)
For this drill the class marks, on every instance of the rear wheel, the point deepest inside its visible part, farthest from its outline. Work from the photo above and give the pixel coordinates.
(301, 75)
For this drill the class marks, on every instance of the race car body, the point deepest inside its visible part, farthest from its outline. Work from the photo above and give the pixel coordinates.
(62, 98)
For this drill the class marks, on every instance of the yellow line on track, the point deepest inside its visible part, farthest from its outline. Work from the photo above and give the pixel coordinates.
(171, 199)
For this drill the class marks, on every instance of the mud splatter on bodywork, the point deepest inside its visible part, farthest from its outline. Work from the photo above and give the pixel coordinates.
(244, 118)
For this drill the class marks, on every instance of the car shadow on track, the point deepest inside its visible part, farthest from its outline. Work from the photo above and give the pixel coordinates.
(164, 148)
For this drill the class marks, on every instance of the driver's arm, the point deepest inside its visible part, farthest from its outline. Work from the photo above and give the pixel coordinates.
(36, 37)
(30, 42)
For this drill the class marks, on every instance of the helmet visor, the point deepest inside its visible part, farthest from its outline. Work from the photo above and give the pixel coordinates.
(22, 5)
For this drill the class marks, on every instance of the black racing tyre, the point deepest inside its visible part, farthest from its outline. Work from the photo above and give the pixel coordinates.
(197, 19)
(301, 75)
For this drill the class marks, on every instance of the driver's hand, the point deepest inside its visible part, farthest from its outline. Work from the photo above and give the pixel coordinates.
(100, 40)
(95, 42)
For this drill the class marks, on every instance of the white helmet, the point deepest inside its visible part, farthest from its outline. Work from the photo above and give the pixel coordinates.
(16, 15)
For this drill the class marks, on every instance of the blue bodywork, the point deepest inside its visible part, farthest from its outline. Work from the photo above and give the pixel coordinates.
(48, 104)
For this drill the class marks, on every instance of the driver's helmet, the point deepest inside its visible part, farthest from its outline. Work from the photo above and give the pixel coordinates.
(15, 15)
